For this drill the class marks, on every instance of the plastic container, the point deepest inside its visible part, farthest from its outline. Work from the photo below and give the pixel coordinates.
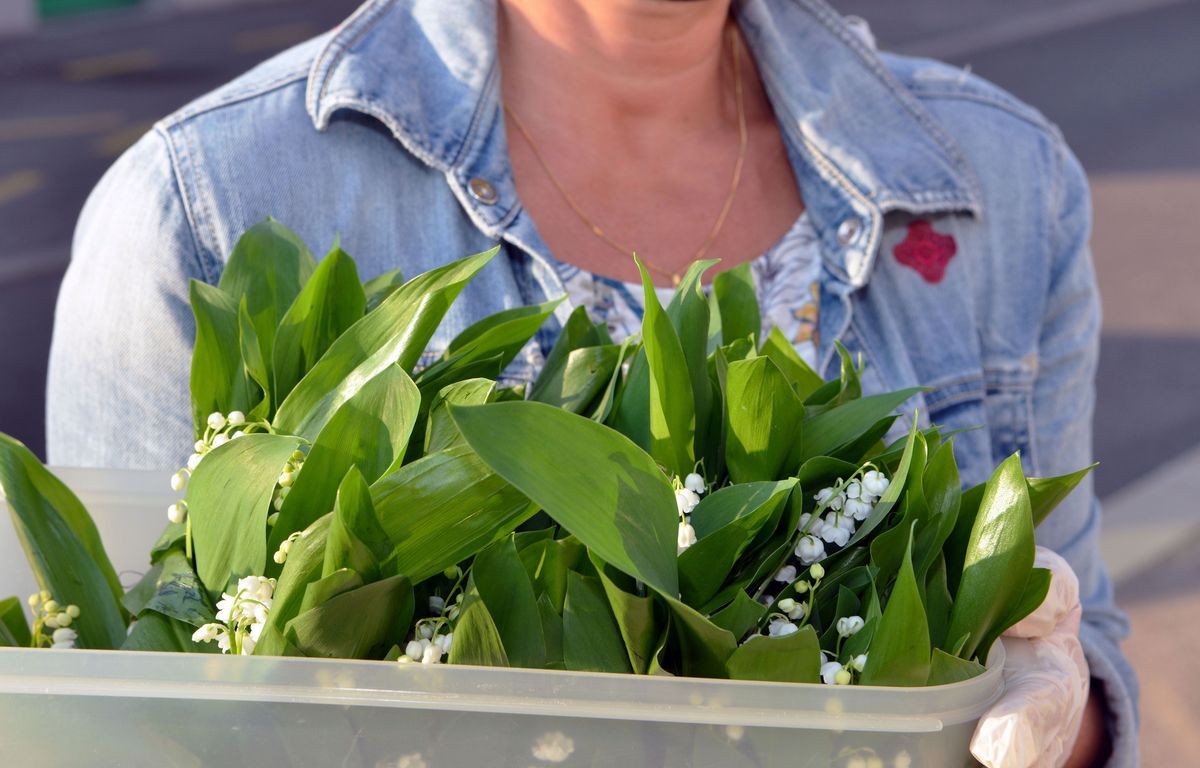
(113, 708)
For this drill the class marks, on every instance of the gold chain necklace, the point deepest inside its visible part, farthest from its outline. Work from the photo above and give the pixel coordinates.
(599, 232)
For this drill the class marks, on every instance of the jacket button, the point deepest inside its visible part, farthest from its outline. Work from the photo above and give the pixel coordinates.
(482, 190)
(848, 230)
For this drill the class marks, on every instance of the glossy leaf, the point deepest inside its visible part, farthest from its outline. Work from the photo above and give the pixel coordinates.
(219, 381)
(351, 624)
(303, 567)
(591, 638)
(1046, 493)
(722, 507)
(900, 650)
(1032, 596)
(763, 420)
(396, 332)
(381, 286)
(505, 588)
(945, 669)
(487, 347)
(179, 593)
(999, 558)
(671, 404)
(443, 508)
(369, 432)
(356, 539)
(738, 303)
(804, 380)
(441, 432)
(584, 374)
(14, 629)
(62, 545)
(795, 658)
(689, 314)
(740, 616)
(228, 500)
(591, 480)
(826, 431)
(636, 619)
(704, 648)
(329, 303)
(476, 639)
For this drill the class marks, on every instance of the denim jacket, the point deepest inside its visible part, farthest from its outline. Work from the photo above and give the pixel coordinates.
(953, 223)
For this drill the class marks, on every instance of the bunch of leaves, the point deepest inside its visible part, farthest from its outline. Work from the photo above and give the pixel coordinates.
(550, 515)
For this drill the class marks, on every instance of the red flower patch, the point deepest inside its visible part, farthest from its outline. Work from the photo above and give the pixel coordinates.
(926, 251)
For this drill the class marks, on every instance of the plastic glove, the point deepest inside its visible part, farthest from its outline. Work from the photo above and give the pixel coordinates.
(1036, 720)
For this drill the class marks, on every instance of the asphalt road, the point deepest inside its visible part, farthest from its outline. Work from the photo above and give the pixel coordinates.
(1119, 76)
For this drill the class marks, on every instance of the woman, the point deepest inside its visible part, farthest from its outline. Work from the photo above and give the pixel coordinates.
(917, 214)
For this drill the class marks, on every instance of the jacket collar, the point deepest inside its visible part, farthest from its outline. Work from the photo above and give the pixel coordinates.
(427, 70)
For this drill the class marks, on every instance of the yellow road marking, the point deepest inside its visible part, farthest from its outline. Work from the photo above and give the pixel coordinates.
(273, 38)
(57, 126)
(113, 144)
(19, 184)
(109, 65)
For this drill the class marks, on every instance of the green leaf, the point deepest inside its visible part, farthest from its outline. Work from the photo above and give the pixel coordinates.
(252, 354)
(62, 545)
(998, 559)
(671, 404)
(741, 615)
(781, 351)
(356, 539)
(891, 496)
(303, 567)
(938, 603)
(178, 593)
(705, 566)
(635, 617)
(351, 624)
(394, 333)
(505, 588)
(552, 631)
(738, 303)
(733, 502)
(591, 638)
(266, 271)
(547, 562)
(826, 431)
(443, 508)
(370, 432)
(900, 650)
(381, 286)
(591, 480)
(442, 432)
(487, 347)
(228, 500)
(583, 375)
(14, 629)
(704, 648)
(764, 416)
(219, 381)
(945, 669)
(689, 315)
(795, 658)
(1032, 596)
(330, 302)
(1046, 493)
(476, 639)
(156, 632)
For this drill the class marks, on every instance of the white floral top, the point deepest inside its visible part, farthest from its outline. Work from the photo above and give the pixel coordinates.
(785, 279)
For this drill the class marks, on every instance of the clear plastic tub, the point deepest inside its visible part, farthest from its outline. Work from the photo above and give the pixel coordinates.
(101, 708)
(112, 708)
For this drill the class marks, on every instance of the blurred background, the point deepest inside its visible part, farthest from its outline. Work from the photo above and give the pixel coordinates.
(81, 80)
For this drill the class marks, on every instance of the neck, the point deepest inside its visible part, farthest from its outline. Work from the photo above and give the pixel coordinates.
(626, 63)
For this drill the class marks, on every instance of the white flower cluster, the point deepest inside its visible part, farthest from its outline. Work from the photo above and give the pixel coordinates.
(48, 614)
(242, 617)
(687, 498)
(845, 504)
(790, 614)
(221, 429)
(429, 645)
(835, 673)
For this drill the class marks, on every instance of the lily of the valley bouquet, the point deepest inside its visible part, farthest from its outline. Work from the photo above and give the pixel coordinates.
(695, 501)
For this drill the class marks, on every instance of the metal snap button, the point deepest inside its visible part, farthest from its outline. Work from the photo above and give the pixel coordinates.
(848, 230)
(482, 190)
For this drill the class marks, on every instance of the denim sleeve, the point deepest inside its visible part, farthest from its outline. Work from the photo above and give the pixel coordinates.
(1064, 396)
(117, 392)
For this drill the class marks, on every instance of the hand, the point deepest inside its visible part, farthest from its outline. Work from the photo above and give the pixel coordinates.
(1036, 721)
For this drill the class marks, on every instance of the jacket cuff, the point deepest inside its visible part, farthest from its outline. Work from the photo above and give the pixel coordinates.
(1109, 666)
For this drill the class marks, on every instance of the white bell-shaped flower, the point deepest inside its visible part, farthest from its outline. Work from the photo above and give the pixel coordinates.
(828, 496)
(687, 537)
(433, 654)
(686, 500)
(859, 662)
(179, 481)
(781, 628)
(786, 574)
(414, 650)
(177, 512)
(875, 483)
(829, 671)
(194, 461)
(810, 549)
(64, 638)
(833, 534)
(216, 421)
(857, 509)
(849, 625)
(694, 483)
(236, 418)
